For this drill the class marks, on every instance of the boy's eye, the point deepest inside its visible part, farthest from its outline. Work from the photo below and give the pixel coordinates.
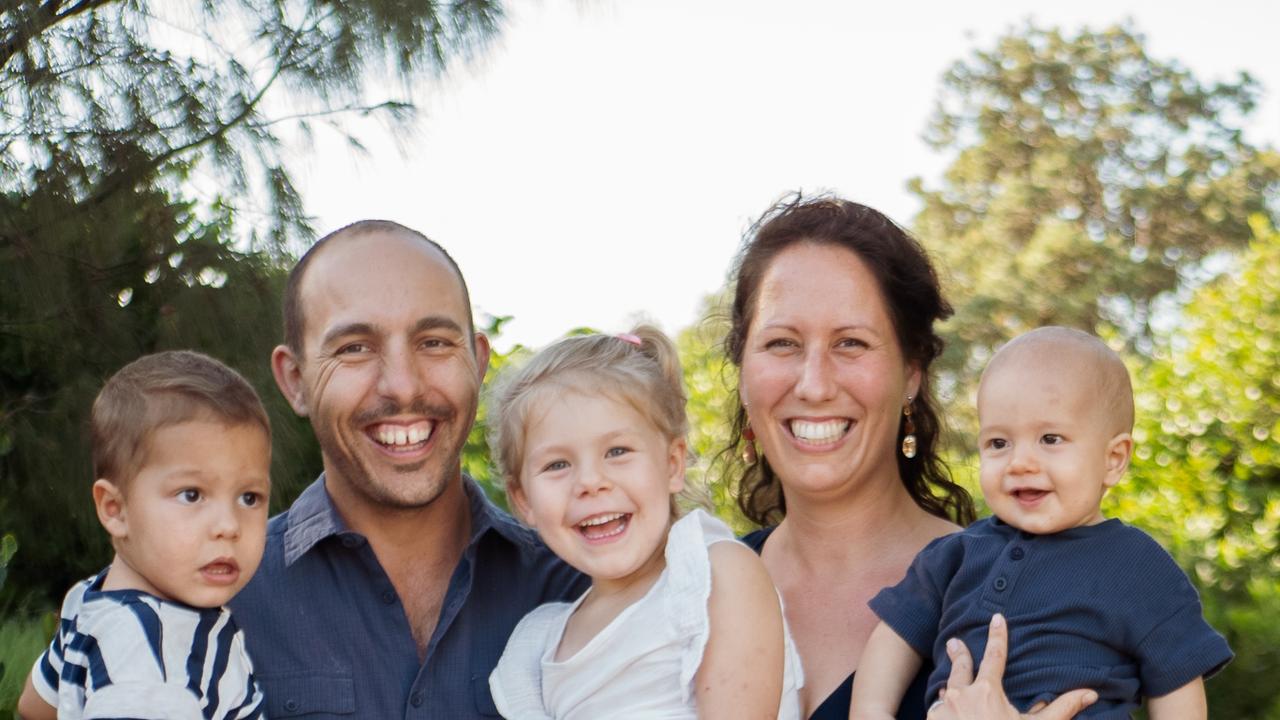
(1051, 439)
(189, 495)
(617, 452)
(251, 499)
(997, 443)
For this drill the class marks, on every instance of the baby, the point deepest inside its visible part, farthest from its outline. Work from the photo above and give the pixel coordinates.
(181, 453)
(1090, 602)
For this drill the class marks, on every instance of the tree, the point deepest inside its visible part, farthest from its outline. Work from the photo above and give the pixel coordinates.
(100, 97)
(1205, 478)
(1089, 180)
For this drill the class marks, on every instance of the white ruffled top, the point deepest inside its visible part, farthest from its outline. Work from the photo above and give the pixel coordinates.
(643, 663)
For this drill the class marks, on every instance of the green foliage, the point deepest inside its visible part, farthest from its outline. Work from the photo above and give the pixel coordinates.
(1206, 473)
(22, 639)
(1089, 180)
(98, 97)
(475, 454)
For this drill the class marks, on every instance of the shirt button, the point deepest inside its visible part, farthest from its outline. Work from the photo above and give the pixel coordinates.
(291, 705)
(389, 596)
(350, 541)
(416, 700)
(1000, 584)
(1017, 553)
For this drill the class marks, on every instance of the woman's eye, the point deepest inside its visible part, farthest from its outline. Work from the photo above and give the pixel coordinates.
(851, 343)
(189, 495)
(780, 344)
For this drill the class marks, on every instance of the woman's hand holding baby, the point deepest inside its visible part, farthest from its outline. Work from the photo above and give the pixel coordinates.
(967, 697)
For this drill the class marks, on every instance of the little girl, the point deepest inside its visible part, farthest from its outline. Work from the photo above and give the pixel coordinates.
(681, 620)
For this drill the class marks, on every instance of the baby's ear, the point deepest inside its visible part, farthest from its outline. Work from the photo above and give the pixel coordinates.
(1119, 450)
(108, 500)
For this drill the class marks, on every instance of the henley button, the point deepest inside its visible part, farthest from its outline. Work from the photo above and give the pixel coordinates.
(389, 597)
(291, 705)
(1017, 553)
(1000, 584)
(350, 541)
(416, 699)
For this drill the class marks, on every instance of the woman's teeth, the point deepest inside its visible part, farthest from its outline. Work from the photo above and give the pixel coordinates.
(819, 432)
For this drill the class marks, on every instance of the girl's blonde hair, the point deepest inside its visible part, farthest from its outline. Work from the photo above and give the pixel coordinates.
(645, 374)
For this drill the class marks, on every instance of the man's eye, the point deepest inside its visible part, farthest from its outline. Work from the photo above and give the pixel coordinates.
(189, 495)
(352, 349)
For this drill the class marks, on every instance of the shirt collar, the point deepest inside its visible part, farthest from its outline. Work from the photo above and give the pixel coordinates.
(313, 517)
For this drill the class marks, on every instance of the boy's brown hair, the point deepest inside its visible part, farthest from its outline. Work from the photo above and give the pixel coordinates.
(160, 390)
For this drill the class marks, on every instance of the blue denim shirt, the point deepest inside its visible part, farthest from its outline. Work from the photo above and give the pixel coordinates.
(329, 638)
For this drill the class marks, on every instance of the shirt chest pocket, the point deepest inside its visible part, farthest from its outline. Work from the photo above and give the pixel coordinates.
(309, 696)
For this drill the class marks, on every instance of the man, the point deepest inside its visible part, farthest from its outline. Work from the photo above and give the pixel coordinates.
(390, 586)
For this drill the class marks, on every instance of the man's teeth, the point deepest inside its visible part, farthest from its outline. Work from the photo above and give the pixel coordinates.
(399, 435)
(819, 432)
(601, 520)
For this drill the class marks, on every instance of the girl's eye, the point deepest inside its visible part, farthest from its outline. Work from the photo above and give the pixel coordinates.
(617, 452)
(189, 495)
(251, 499)
(555, 465)
(1052, 439)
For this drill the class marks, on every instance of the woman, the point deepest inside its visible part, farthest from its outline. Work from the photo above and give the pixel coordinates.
(832, 330)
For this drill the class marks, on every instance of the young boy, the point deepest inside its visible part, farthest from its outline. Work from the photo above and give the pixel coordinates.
(181, 453)
(1090, 602)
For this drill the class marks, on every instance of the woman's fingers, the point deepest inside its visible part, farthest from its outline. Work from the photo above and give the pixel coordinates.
(997, 651)
(1066, 706)
(961, 664)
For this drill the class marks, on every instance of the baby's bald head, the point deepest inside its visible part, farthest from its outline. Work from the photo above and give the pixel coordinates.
(1077, 357)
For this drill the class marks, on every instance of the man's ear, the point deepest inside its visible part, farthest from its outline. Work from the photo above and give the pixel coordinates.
(677, 456)
(288, 373)
(520, 503)
(1119, 450)
(482, 354)
(108, 500)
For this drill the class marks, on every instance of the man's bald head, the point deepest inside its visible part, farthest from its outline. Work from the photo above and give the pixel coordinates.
(294, 313)
(1064, 352)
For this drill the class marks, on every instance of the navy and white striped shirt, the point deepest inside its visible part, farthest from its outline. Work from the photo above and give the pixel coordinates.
(129, 654)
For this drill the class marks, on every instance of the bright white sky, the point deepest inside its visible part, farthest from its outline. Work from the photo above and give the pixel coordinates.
(600, 163)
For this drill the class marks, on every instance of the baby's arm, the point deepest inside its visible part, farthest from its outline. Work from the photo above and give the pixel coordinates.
(33, 707)
(885, 671)
(1185, 703)
(742, 666)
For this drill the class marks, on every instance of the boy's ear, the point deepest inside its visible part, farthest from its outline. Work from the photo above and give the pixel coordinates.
(676, 459)
(520, 503)
(1119, 450)
(108, 500)
(288, 373)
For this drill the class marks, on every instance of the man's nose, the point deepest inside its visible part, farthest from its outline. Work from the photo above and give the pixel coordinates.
(400, 377)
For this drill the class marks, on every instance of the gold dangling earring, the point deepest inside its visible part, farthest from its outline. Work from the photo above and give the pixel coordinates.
(908, 427)
(749, 449)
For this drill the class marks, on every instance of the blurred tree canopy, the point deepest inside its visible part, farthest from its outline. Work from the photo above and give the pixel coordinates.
(1089, 180)
(1205, 478)
(145, 204)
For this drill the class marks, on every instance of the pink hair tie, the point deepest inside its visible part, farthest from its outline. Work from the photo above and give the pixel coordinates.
(628, 337)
